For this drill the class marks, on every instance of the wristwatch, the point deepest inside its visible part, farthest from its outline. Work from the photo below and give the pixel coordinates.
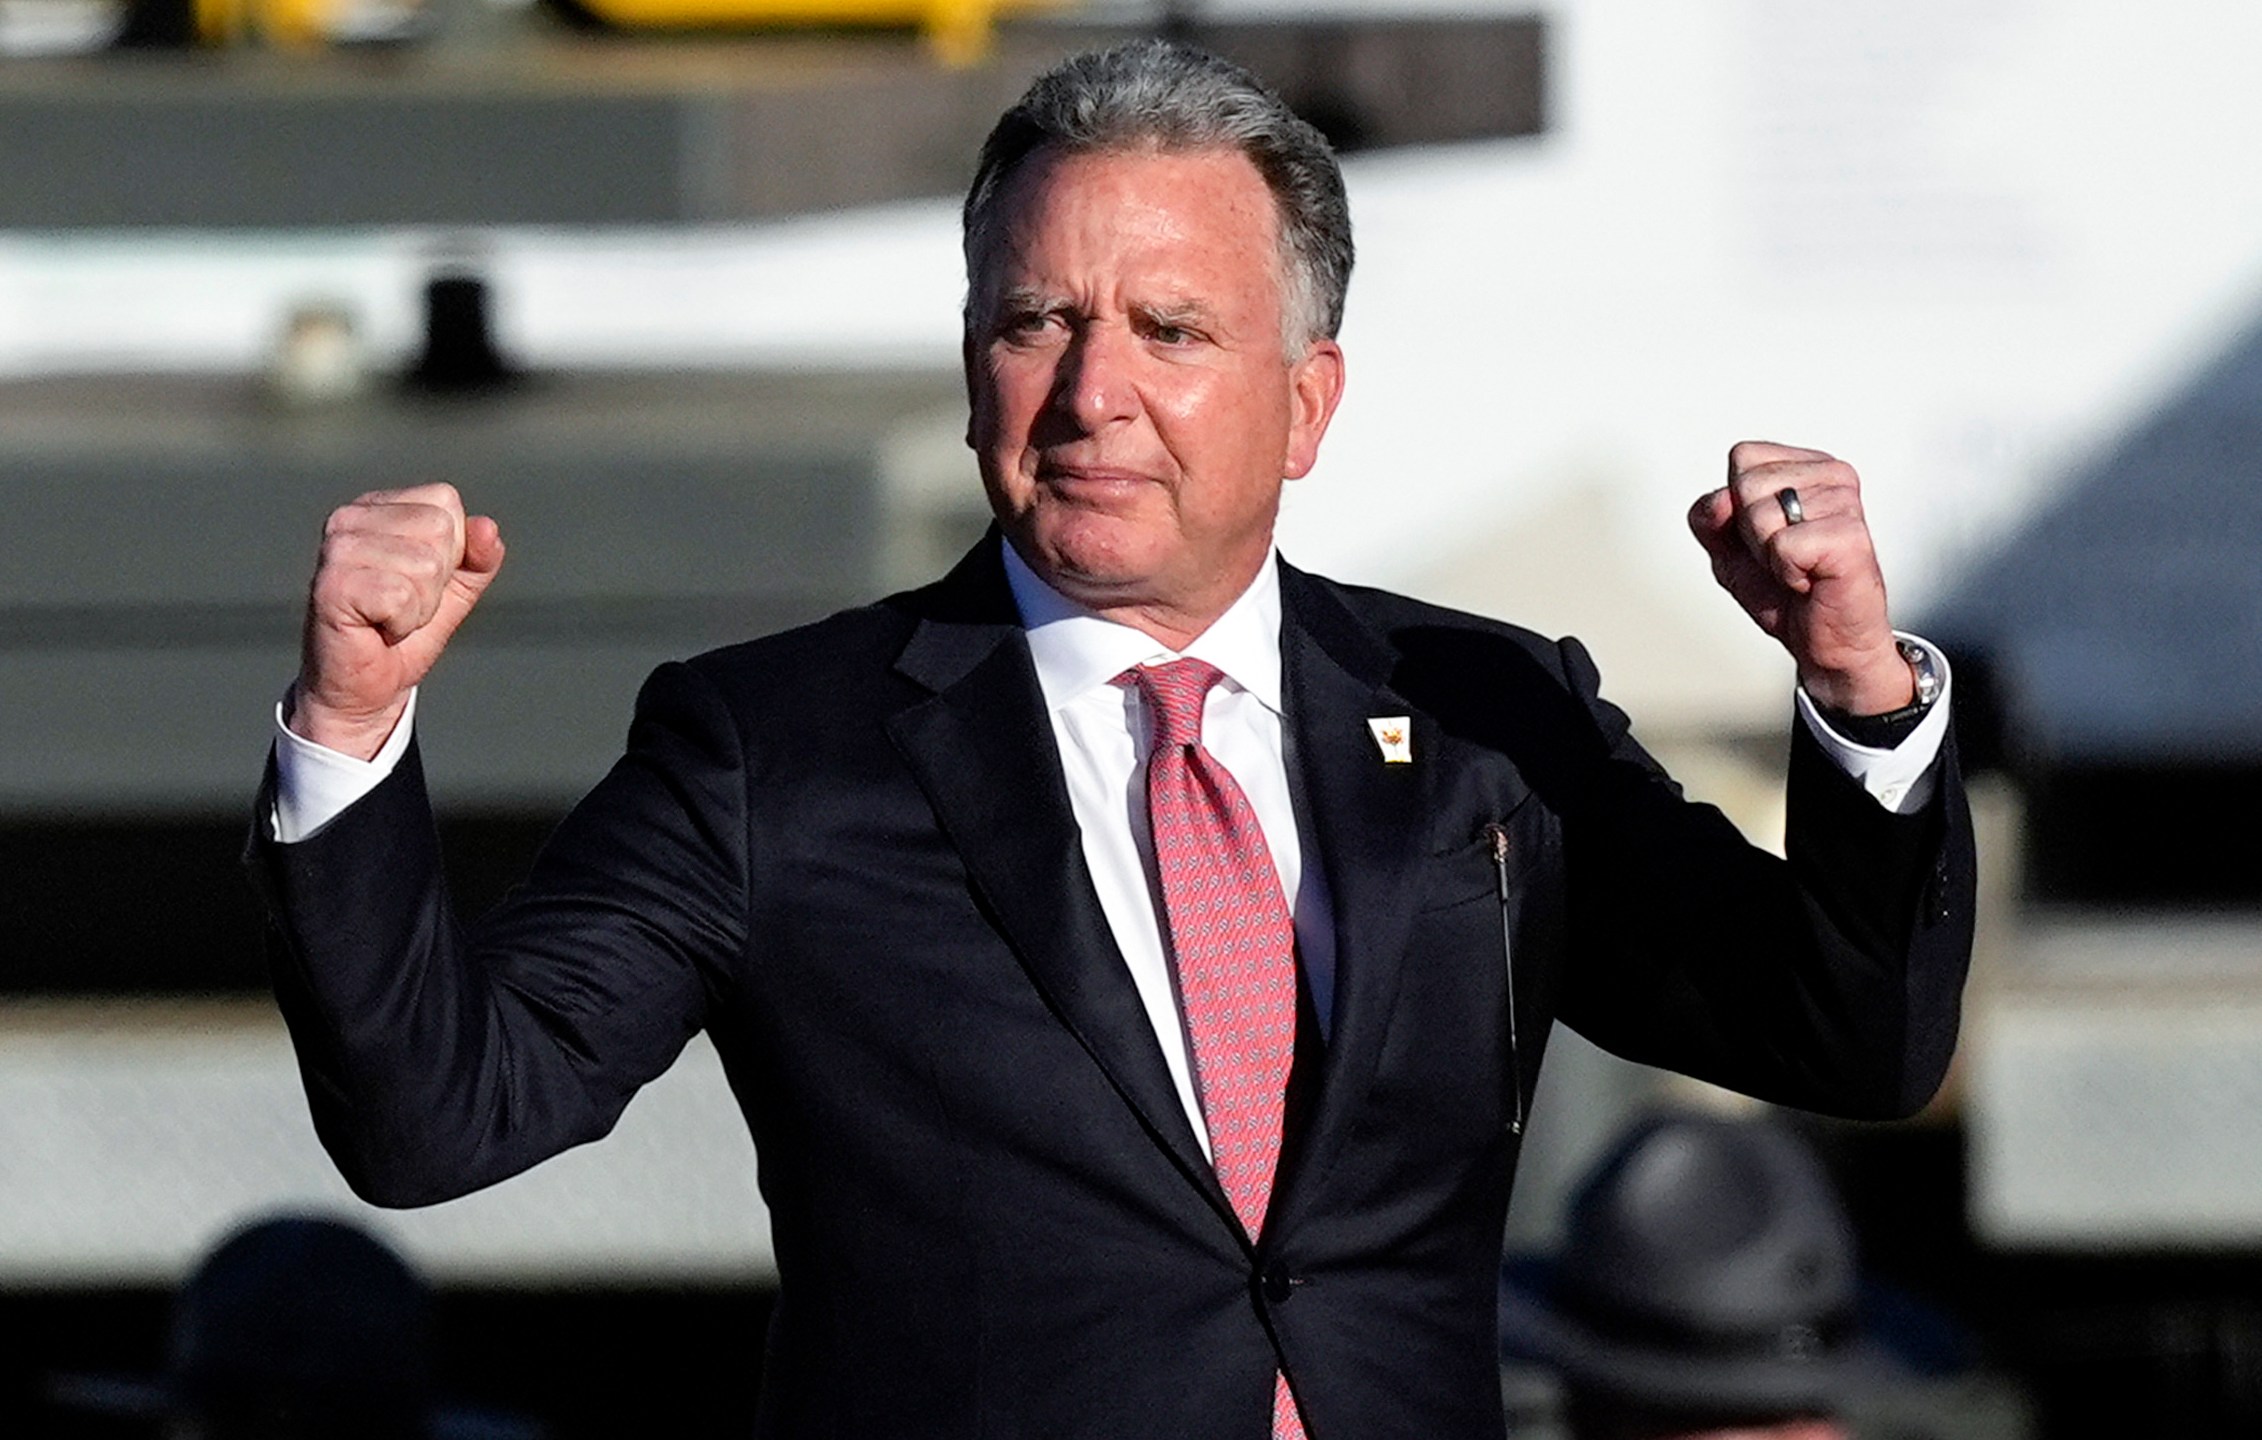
(1883, 732)
(1923, 671)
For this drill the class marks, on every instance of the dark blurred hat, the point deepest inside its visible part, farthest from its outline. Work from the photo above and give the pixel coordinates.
(1707, 1266)
(298, 1326)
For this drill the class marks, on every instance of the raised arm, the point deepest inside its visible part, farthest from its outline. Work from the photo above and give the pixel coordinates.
(1833, 982)
(440, 1057)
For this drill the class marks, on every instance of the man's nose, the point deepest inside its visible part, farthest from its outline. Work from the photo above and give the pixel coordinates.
(1096, 384)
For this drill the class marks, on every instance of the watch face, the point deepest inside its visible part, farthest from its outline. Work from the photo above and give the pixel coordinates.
(1921, 668)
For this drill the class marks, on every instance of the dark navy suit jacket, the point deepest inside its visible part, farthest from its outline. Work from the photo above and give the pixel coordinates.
(847, 852)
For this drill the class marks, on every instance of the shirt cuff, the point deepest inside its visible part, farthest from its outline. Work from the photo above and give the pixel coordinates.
(315, 784)
(1900, 779)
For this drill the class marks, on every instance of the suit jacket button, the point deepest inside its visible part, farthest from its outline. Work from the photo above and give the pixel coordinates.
(1277, 1284)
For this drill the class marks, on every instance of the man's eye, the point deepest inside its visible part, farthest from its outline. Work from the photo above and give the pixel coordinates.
(1168, 332)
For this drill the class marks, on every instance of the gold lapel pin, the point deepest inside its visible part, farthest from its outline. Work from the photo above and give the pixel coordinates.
(1394, 735)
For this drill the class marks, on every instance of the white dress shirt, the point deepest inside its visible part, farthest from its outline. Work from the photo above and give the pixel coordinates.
(1103, 734)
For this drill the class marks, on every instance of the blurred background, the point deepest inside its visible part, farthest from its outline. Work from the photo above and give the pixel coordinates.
(671, 288)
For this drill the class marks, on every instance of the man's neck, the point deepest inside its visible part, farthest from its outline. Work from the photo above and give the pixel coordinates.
(1174, 628)
(1075, 646)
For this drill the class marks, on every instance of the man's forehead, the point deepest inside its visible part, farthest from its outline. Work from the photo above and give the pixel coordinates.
(1136, 174)
(1186, 235)
(1174, 204)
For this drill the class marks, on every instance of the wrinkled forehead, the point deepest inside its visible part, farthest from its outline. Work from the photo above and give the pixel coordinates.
(1207, 201)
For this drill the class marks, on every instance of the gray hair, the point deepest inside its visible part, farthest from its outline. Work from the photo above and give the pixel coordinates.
(1155, 94)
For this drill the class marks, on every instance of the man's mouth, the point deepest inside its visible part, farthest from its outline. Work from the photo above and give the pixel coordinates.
(1092, 484)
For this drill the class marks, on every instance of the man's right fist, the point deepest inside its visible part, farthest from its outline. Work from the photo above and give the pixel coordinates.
(399, 570)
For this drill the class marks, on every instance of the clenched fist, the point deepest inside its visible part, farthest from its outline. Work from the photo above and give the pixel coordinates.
(398, 572)
(1814, 584)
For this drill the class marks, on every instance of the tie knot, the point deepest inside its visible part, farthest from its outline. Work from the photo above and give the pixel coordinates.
(1175, 692)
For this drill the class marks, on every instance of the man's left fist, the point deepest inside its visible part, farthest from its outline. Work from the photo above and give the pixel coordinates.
(1787, 539)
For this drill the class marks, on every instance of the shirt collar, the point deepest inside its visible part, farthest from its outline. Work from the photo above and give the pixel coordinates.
(1076, 650)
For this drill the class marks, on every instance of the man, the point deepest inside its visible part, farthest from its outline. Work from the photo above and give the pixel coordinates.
(1706, 1290)
(296, 1327)
(1111, 944)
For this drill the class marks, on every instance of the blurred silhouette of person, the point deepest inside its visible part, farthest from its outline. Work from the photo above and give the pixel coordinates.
(296, 1328)
(1706, 1290)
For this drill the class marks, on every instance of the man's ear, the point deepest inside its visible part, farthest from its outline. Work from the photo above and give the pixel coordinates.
(1315, 387)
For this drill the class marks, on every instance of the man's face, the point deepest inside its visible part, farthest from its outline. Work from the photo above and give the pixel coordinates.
(1133, 405)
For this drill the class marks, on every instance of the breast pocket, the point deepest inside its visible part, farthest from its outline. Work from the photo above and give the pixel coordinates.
(1462, 874)
(1469, 908)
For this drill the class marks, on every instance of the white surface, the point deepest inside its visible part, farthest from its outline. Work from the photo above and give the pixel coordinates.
(131, 1137)
(2114, 1088)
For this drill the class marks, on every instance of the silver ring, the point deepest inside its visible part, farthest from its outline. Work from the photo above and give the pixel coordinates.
(1793, 512)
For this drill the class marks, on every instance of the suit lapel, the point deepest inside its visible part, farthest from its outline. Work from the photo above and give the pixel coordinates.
(1369, 819)
(982, 747)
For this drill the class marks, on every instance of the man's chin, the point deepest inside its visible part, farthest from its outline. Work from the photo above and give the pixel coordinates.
(1095, 563)
(1100, 587)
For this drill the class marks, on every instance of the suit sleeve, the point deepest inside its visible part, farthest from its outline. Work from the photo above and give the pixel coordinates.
(1830, 981)
(439, 1058)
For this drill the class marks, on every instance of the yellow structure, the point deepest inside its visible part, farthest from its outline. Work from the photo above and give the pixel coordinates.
(301, 24)
(958, 31)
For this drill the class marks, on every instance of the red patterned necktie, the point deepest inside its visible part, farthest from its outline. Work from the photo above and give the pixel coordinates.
(1234, 946)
